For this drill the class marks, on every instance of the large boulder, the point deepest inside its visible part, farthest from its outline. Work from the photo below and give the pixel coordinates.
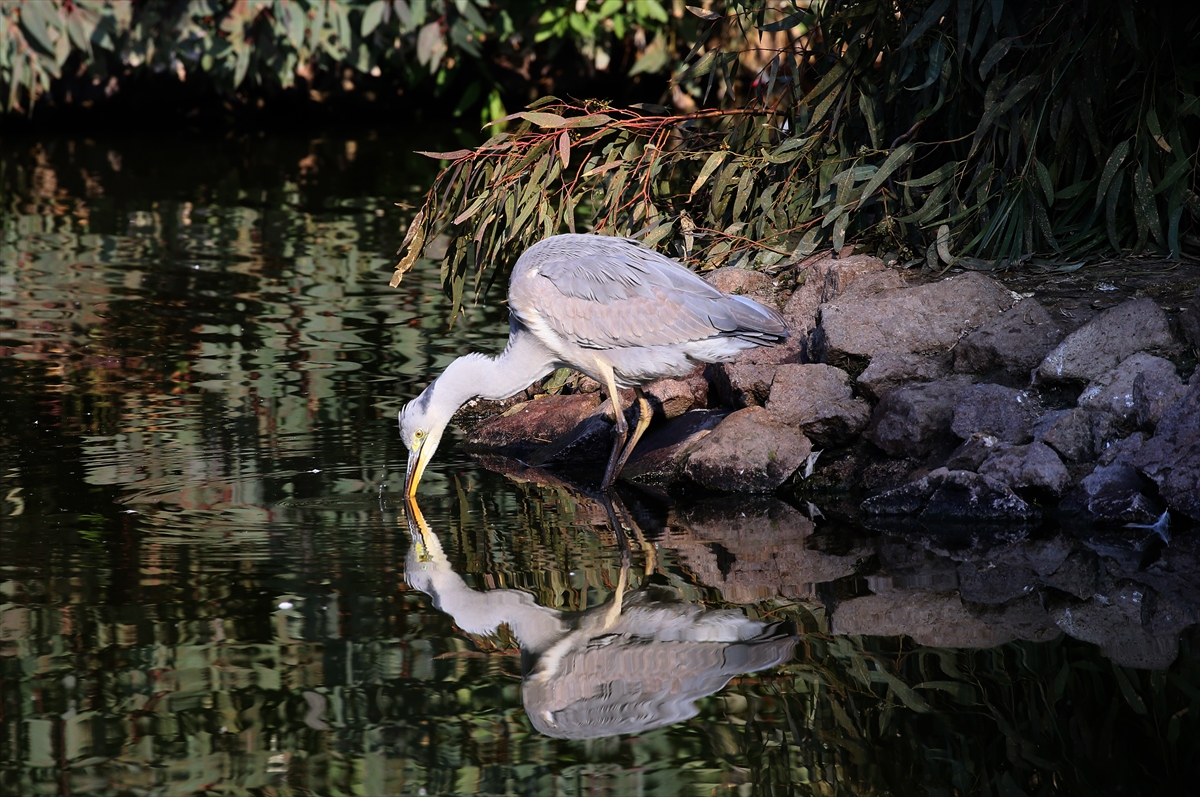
(1001, 412)
(889, 370)
(1034, 466)
(673, 397)
(750, 451)
(744, 282)
(923, 319)
(1013, 342)
(1116, 624)
(818, 399)
(1102, 343)
(1113, 390)
(1189, 321)
(952, 496)
(659, 456)
(914, 420)
(825, 279)
(526, 427)
(1112, 493)
(1068, 432)
(1172, 456)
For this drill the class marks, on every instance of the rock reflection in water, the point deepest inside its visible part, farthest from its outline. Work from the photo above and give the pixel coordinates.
(638, 662)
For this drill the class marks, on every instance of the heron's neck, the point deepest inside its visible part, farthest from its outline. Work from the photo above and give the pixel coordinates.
(522, 363)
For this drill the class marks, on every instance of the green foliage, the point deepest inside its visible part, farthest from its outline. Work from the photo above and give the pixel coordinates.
(268, 44)
(976, 134)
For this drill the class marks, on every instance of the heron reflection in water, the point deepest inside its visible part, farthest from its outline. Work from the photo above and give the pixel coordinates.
(638, 662)
(607, 307)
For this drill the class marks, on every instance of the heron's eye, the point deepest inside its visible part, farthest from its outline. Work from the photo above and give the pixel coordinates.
(417, 435)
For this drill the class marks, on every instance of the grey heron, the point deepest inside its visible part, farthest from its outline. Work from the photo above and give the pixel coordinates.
(607, 307)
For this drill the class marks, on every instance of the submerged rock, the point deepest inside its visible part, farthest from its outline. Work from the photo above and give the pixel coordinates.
(750, 451)
(1102, 343)
(952, 495)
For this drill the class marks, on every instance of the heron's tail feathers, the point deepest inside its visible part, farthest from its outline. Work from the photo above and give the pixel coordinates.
(745, 318)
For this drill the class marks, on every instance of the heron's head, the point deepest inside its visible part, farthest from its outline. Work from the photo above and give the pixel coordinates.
(422, 422)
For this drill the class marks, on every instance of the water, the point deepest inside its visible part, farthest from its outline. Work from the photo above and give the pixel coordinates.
(208, 581)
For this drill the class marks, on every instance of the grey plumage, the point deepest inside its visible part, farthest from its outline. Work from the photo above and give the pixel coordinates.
(608, 307)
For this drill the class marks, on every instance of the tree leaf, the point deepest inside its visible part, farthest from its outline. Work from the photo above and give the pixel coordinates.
(1043, 176)
(542, 119)
(931, 15)
(897, 158)
(706, 171)
(936, 176)
(996, 52)
(1119, 153)
(36, 19)
(707, 16)
(372, 17)
(452, 155)
(564, 148)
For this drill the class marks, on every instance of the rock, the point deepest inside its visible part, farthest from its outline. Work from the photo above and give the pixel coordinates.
(818, 399)
(1172, 456)
(742, 383)
(1002, 412)
(1069, 432)
(991, 583)
(952, 495)
(530, 425)
(1189, 321)
(1013, 342)
(923, 319)
(1077, 576)
(754, 549)
(743, 282)
(825, 279)
(749, 451)
(890, 370)
(1116, 625)
(972, 453)
(936, 619)
(1034, 466)
(1123, 450)
(914, 420)
(673, 397)
(1047, 554)
(1106, 340)
(1111, 493)
(1112, 391)
(1152, 399)
(660, 455)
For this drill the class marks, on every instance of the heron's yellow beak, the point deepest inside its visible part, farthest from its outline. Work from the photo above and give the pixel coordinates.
(418, 458)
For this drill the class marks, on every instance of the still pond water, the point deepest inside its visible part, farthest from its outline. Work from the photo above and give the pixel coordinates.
(208, 582)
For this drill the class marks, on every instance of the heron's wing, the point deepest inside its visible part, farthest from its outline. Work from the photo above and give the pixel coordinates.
(601, 292)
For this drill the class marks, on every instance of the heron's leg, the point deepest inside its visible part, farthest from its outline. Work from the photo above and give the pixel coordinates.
(620, 430)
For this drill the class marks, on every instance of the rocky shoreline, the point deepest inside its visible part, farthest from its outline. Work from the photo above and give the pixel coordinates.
(953, 400)
(1022, 458)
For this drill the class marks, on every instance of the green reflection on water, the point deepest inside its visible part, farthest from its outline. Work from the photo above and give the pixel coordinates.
(202, 556)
